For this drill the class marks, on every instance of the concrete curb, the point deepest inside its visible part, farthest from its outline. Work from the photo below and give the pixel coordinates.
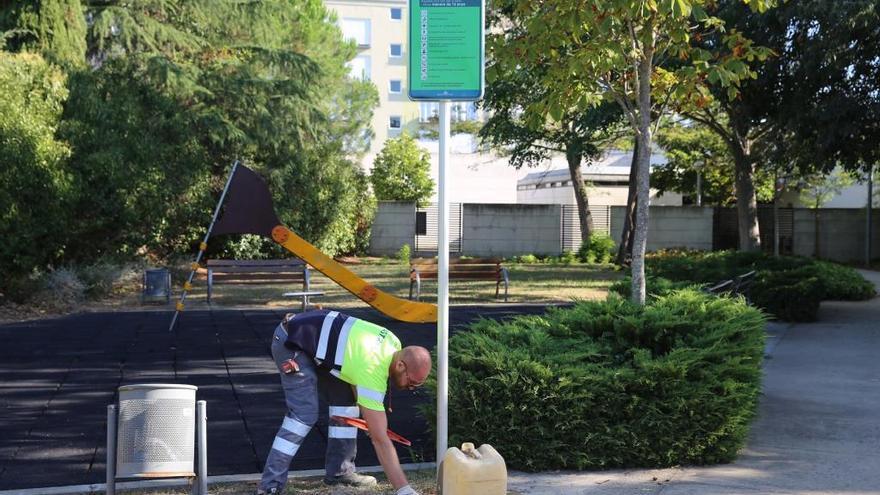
(169, 483)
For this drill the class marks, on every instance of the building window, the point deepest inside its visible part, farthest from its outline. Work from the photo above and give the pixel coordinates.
(357, 30)
(396, 13)
(394, 86)
(359, 67)
(395, 122)
(396, 50)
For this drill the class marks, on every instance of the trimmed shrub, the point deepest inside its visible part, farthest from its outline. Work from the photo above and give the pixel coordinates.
(842, 283)
(599, 249)
(789, 287)
(790, 295)
(610, 384)
(655, 286)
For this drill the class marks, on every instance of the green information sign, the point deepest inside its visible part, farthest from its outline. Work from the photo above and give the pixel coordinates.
(446, 49)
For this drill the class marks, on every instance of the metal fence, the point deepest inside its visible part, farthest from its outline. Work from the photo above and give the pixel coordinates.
(427, 226)
(571, 225)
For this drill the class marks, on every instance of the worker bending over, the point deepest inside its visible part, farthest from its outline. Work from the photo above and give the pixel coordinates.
(351, 361)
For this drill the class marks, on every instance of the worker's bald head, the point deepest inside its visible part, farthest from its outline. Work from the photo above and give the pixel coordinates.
(410, 367)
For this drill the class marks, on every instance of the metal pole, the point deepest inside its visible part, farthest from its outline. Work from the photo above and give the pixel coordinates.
(111, 450)
(202, 431)
(699, 188)
(203, 246)
(443, 290)
(869, 227)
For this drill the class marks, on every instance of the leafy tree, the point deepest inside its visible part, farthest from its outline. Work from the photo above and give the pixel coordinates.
(811, 106)
(517, 125)
(614, 50)
(54, 28)
(402, 172)
(175, 90)
(829, 84)
(34, 184)
(691, 149)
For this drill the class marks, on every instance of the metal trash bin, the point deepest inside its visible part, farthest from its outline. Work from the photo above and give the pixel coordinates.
(152, 434)
(157, 285)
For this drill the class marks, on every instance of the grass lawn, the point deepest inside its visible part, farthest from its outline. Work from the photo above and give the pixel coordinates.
(529, 283)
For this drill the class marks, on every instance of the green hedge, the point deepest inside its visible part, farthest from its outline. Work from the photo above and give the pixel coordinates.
(654, 286)
(788, 287)
(790, 295)
(600, 248)
(610, 384)
(842, 283)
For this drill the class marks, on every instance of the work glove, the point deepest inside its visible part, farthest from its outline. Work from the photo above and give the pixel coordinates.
(406, 490)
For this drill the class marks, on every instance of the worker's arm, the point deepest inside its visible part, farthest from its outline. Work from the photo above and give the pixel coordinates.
(377, 422)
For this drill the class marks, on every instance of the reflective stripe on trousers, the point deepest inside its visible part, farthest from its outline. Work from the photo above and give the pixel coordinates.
(301, 395)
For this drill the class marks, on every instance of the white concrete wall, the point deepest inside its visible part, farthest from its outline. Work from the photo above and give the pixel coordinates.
(509, 230)
(671, 226)
(516, 229)
(394, 226)
(841, 233)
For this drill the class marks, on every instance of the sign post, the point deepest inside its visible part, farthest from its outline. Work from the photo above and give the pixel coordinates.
(446, 63)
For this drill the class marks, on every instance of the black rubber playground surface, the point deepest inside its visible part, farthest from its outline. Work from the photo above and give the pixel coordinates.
(57, 377)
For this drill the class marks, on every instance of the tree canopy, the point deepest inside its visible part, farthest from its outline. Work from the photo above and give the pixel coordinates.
(402, 172)
(165, 94)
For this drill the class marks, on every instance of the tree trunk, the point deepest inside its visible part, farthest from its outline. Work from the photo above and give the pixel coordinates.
(640, 235)
(816, 251)
(573, 156)
(746, 198)
(624, 249)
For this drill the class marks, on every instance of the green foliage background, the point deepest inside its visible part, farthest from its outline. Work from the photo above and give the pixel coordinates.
(610, 384)
(35, 185)
(122, 120)
(402, 172)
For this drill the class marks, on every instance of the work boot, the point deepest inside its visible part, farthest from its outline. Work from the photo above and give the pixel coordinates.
(351, 479)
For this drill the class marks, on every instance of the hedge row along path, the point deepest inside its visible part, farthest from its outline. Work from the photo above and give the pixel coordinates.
(57, 377)
(816, 432)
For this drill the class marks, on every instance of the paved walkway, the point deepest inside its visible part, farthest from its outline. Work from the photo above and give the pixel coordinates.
(818, 425)
(57, 377)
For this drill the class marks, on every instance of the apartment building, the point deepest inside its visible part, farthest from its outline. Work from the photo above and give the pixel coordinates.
(379, 27)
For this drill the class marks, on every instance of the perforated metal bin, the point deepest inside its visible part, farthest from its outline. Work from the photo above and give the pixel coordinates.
(156, 431)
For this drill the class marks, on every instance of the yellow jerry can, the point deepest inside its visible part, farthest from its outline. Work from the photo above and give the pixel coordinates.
(471, 471)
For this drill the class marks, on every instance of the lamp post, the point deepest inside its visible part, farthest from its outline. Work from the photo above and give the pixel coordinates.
(698, 166)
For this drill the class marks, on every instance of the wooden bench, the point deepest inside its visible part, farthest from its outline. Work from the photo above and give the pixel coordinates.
(253, 272)
(459, 269)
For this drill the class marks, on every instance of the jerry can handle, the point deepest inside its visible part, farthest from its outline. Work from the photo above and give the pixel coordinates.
(468, 449)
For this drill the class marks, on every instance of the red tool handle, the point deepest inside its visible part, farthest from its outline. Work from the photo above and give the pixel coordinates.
(361, 424)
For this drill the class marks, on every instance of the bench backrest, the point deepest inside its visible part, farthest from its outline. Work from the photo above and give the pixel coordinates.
(293, 266)
(456, 262)
(475, 268)
(256, 270)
